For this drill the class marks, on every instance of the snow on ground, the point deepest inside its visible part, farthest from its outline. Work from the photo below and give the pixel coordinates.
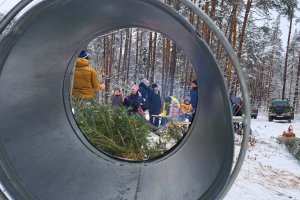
(269, 171)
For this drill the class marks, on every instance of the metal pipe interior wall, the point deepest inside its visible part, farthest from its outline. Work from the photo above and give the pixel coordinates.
(44, 154)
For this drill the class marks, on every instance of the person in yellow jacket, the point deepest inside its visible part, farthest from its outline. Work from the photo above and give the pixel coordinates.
(167, 102)
(186, 110)
(186, 106)
(166, 108)
(85, 79)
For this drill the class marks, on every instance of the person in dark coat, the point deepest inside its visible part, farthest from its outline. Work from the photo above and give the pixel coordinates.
(194, 95)
(154, 105)
(145, 90)
(116, 98)
(133, 101)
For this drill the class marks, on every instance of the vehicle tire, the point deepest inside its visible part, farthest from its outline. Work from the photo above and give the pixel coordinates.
(270, 119)
(255, 117)
(289, 120)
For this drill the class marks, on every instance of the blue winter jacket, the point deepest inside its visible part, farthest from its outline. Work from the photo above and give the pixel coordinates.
(144, 90)
(154, 103)
(133, 102)
(194, 97)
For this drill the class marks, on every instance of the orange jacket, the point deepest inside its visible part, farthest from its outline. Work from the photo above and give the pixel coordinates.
(85, 80)
(185, 108)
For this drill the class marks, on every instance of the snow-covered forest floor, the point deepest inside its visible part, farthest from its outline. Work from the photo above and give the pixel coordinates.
(269, 171)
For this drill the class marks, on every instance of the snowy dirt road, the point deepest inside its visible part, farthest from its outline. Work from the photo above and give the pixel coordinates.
(269, 171)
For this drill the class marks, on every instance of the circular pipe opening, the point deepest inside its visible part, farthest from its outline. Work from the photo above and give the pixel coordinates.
(120, 59)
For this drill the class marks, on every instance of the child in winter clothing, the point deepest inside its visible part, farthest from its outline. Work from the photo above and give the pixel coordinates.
(172, 112)
(166, 110)
(174, 109)
(116, 98)
(186, 110)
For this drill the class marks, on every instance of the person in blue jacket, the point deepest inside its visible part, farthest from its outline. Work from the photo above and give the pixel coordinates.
(134, 101)
(155, 105)
(194, 95)
(145, 91)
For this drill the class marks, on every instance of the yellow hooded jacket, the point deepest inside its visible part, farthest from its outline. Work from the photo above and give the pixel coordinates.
(186, 108)
(85, 80)
(164, 110)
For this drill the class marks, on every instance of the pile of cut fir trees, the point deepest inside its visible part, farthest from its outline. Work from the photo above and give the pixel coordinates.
(289, 139)
(113, 131)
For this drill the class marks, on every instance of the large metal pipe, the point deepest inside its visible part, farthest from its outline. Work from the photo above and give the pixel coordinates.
(44, 154)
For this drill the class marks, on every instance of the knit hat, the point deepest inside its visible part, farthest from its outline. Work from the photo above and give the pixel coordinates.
(83, 54)
(146, 82)
(168, 99)
(187, 98)
(154, 85)
(195, 81)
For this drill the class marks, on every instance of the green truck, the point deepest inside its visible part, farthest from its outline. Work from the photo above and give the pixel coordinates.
(280, 110)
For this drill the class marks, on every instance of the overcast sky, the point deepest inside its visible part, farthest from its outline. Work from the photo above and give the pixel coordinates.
(6, 5)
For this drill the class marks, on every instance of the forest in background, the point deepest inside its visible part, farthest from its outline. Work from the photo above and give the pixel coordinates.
(271, 68)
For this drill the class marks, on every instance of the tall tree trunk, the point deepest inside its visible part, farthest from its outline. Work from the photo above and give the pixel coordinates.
(248, 7)
(286, 59)
(110, 64)
(149, 56)
(212, 15)
(296, 94)
(233, 43)
(270, 67)
(270, 73)
(153, 58)
(141, 69)
(205, 28)
(173, 66)
(192, 17)
(120, 55)
(186, 67)
(107, 51)
(125, 59)
(219, 49)
(136, 54)
(191, 76)
(129, 53)
(291, 81)
(167, 66)
(163, 67)
(198, 23)
(173, 59)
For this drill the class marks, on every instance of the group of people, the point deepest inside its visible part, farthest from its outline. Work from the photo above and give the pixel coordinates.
(143, 98)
